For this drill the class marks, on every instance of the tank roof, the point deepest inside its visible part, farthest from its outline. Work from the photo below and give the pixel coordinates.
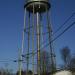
(27, 1)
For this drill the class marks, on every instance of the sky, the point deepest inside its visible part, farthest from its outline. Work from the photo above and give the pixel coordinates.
(11, 27)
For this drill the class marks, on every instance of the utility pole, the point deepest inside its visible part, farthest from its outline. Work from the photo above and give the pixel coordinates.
(20, 61)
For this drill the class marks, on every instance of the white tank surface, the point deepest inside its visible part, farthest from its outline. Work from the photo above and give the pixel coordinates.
(63, 73)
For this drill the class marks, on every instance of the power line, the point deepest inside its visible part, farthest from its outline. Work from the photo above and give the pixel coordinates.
(56, 29)
(59, 27)
(60, 34)
(64, 23)
(55, 37)
(50, 41)
(7, 60)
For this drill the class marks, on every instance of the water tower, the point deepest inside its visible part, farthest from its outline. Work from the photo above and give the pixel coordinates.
(38, 31)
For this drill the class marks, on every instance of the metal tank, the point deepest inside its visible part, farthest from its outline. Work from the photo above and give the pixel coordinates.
(39, 5)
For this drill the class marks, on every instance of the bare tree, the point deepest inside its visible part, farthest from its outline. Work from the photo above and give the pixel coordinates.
(72, 64)
(44, 61)
(22, 72)
(30, 72)
(65, 54)
(45, 65)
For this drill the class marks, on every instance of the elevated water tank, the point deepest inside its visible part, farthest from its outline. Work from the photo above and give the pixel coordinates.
(63, 73)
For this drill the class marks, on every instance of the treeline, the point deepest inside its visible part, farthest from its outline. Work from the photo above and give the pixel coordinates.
(25, 73)
(5, 72)
(67, 58)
